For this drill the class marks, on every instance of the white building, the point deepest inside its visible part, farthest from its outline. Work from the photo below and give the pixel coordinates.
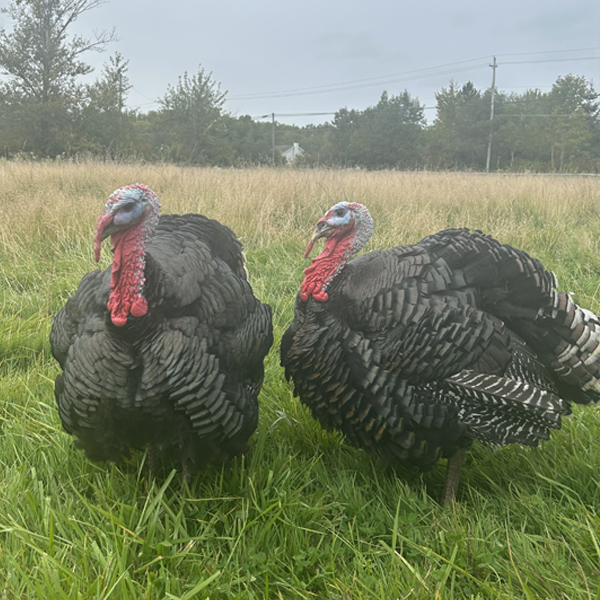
(290, 153)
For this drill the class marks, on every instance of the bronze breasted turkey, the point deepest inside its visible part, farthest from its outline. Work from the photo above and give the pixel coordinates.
(415, 351)
(164, 348)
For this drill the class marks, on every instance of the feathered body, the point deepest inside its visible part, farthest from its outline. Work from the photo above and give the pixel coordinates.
(415, 351)
(165, 347)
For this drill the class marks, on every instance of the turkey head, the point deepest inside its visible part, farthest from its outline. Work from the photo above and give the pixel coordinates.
(130, 217)
(346, 227)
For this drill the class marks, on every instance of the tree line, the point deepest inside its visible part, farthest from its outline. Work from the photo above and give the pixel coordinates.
(45, 111)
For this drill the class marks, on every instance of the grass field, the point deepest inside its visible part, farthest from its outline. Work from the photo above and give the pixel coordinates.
(303, 515)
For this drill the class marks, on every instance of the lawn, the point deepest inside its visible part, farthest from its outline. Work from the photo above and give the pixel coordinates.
(303, 515)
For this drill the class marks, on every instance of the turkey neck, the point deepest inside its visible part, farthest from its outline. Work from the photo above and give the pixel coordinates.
(340, 245)
(127, 276)
(328, 264)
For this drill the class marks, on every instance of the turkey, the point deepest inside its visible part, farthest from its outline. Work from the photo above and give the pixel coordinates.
(416, 351)
(165, 348)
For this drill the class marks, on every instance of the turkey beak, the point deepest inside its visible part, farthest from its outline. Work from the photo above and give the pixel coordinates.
(104, 229)
(321, 230)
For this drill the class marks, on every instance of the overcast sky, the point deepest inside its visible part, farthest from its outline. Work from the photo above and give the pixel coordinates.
(314, 56)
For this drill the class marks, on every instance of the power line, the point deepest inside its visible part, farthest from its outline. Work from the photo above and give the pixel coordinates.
(341, 87)
(310, 114)
(526, 62)
(313, 114)
(143, 95)
(344, 83)
(406, 76)
(504, 115)
(550, 52)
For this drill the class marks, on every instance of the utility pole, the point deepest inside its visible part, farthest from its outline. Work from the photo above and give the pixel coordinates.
(273, 139)
(489, 152)
(120, 92)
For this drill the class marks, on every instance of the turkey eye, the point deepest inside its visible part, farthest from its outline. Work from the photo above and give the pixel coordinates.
(128, 207)
(340, 212)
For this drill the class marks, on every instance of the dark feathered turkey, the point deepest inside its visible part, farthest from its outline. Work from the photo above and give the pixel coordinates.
(164, 348)
(415, 351)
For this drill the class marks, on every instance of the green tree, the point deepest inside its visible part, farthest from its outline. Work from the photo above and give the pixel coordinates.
(554, 131)
(43, 63)
(459, 135)
(573, 102)
(190, 120)
(391, 132)
(108, 94)
(346, 124)
(521, 132)
(105, 124)
(387, 135)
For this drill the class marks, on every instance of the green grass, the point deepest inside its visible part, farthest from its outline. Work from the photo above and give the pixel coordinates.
(303, 515)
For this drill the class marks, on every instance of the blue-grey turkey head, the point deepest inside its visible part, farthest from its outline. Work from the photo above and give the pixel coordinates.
(164, 349)
(416, 351)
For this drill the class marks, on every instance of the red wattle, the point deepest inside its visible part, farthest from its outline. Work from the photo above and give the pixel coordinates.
(118, 321)
(323, 268)
(127, 277)
(140, 307)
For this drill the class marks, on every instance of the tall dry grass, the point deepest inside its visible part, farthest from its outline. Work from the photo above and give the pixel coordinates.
(44, 204)
(266, 205)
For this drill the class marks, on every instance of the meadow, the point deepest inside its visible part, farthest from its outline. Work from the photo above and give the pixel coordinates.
(302, 515)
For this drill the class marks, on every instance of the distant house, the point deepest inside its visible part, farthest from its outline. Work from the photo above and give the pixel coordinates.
(290, 153)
